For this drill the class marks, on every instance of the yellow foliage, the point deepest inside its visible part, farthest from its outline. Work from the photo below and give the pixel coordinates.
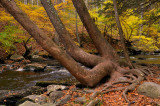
(5, 16)
(144, 43)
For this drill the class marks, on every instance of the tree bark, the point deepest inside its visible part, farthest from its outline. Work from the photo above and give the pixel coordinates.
(77, 53)
(121, 35)
(86, 77)
(103, 47)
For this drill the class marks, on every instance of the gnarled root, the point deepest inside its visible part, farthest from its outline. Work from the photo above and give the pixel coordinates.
(132, 77)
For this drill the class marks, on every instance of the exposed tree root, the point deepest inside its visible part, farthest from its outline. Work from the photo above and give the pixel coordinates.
(132, 77)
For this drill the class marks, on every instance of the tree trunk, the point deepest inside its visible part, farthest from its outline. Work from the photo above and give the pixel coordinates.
(77, 35)
(103, 47)
(77, 53)
(86, 77)
(121, 35)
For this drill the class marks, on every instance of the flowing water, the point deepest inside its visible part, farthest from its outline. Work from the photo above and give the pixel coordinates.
(19, 79)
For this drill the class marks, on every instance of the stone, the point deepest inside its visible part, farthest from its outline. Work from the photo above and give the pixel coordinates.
(37, 58)
(88, 91)
(64, 100)
(16, 57)
(37, 67)
(94, 102)
(51, 88)
(149, 89)
(37, 98)
(81, 100)
(29, 103)
(53, 96)
(49, 104)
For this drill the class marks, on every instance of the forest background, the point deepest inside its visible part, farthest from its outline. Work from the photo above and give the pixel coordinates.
(140, 24)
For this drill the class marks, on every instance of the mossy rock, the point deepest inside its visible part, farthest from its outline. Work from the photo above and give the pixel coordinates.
(61, 82)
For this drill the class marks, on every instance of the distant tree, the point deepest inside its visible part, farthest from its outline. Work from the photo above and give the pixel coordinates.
(121, 34)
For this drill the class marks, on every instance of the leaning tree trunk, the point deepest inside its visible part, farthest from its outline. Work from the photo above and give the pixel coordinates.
(86, 77)
(77, 53)
(103, 47)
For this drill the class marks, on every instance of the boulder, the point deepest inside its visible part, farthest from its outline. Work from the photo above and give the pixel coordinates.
(149, 89)
(51, 88)
(16, 57)
(37, 67)
(53, 96)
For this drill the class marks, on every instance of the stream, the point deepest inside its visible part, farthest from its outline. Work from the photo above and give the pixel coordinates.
(20, 79)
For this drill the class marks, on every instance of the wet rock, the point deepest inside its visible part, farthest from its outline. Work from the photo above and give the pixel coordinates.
(64, 100)
(37, 98)
(51, 88)
(16, 57)
(53, 96)
(80, 100)
(37, 67)
(149, 89)
(29, 103)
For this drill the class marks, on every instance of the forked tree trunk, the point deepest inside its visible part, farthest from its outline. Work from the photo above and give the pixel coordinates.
(102, 66)
(103, 47)
(77, 53)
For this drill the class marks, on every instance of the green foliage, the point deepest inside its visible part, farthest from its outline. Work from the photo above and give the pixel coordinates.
(8, 38)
